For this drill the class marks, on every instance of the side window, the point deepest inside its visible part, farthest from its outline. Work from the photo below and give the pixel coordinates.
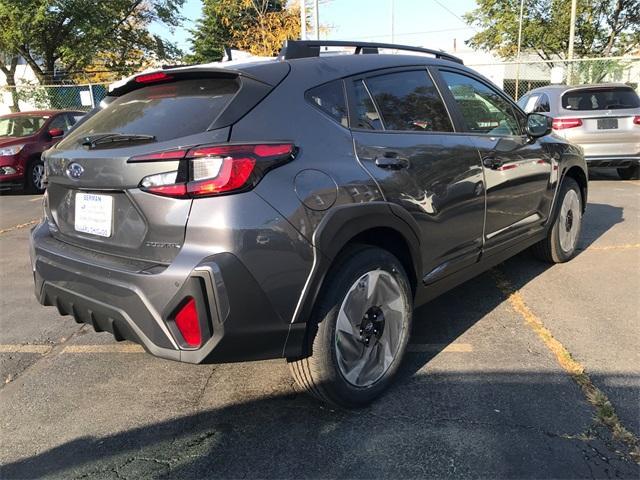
(483, 109)
(543, 104)
(73, 118)
(330, 99)
(60, 122)
(366, 115)
(409, 101)
(528, 102)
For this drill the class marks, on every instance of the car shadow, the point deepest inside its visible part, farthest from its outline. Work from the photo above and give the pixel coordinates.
(482, 424)
(516, 424)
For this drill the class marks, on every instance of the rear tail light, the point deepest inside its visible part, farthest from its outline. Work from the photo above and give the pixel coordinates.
(214, 170)
(562, 123)
(636, 120)
(188, 323)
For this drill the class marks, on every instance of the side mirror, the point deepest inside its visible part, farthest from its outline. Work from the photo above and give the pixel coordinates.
(538, 125)
(56, 132)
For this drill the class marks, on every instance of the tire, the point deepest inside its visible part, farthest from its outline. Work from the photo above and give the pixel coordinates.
(340, 346)
(631, 172)
(560, 244)
(35, 176)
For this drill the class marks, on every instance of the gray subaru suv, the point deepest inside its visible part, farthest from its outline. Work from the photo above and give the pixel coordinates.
(297, 208)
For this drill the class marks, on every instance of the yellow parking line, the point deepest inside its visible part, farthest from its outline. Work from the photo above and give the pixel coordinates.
(605, 412)
(440, 347)
(41, 349)
(628, 246)
(19, 226)
(108, 348)
(37, 199)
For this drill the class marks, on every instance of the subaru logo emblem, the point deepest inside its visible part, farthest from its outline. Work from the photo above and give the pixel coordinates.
(74, 170)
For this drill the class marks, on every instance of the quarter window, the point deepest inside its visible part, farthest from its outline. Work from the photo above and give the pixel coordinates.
(483, 109)
(330, 99)
(409, 101)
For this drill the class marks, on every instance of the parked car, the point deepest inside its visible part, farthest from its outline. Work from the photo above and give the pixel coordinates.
(603, 119)
(297, 208)
(23, 138)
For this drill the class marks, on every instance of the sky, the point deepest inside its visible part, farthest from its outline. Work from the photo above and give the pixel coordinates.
(426, 23)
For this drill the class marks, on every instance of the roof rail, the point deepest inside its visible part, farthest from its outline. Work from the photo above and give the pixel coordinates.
(311, 48)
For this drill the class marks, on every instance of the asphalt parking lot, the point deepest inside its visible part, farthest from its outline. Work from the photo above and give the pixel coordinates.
(526, 371)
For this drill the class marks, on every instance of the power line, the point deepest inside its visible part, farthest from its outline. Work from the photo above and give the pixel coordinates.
(455, 15)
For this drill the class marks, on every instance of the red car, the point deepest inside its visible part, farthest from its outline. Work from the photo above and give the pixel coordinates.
(23, 138)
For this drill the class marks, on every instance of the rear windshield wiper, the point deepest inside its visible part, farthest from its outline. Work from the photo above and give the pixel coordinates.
(108, 139)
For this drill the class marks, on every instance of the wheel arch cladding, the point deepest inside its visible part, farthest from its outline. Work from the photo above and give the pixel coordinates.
(580, 177)
(373, 223)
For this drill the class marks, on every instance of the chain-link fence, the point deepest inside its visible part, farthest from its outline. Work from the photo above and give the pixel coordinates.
(51, 97)
(517, 78)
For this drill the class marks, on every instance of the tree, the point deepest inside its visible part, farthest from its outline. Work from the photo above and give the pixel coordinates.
(603, 27)
(258, 26)
(74, 34)
(8, 66)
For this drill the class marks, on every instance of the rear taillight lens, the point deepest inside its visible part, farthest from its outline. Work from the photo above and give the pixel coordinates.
(636, 120)
(562, 123)
(188, 323)
(214, 170)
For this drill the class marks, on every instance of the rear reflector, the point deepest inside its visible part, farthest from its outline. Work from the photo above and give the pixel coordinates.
(215, 170)
(636, 120)
(188, 323)
(562, 123)
(152, 77)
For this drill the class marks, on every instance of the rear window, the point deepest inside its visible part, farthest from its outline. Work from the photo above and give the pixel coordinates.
(166, 111)
(600, 99)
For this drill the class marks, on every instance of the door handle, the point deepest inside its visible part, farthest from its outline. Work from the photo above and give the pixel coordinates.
(490, 161)
(392, 162)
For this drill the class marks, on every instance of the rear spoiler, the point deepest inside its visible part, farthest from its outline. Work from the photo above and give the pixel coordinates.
(149, 77)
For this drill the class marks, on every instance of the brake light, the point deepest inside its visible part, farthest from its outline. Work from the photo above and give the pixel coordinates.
(188, 323)
(152, 77)
(214, 170)
(562, 123)
(636, 120)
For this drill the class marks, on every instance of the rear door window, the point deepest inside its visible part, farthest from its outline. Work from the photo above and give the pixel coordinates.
(543, 105)
(528, 102)
(366, 115)
(409, 101)
(330, 99)
(166, 111)
(484, 110)
(609, 98)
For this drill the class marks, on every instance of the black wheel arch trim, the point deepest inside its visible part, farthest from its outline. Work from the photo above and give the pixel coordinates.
(341, 225)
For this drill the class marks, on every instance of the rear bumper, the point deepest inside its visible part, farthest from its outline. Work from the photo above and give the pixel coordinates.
(132, 304)
(613, 161)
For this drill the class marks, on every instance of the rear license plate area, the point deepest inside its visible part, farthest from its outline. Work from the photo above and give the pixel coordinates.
(607, 123)
(93, 214)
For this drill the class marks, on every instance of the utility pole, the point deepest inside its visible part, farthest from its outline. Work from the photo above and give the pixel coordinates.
(393, 38)
(519, 46)
(572, 35)
(303, 19)
(316, 19)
